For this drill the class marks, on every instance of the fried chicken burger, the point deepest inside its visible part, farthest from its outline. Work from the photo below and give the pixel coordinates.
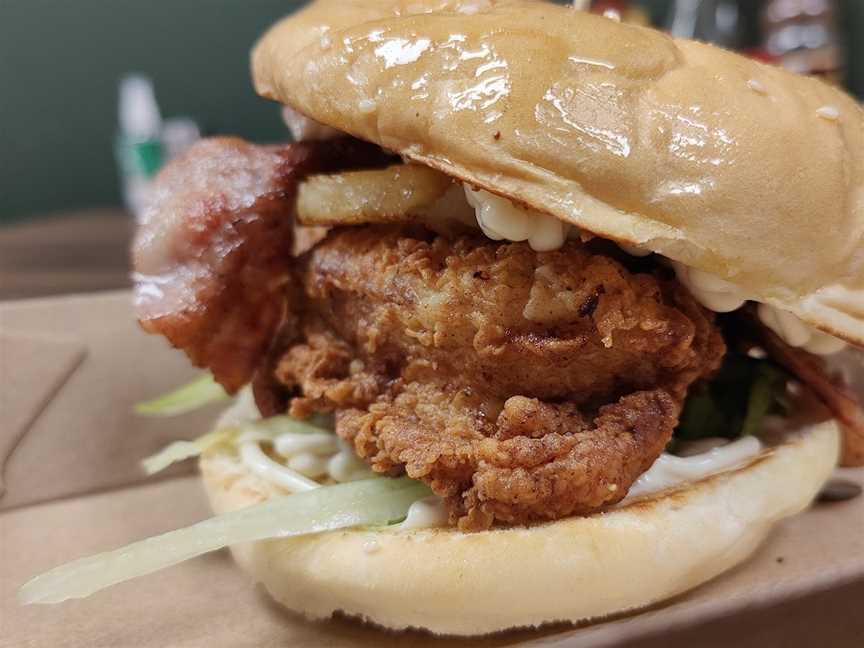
(577, 283)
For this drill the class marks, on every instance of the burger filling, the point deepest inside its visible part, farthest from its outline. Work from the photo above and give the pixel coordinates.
(522, 369)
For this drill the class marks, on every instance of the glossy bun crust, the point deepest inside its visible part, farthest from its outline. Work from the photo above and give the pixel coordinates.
(734, 167)
(575, 569)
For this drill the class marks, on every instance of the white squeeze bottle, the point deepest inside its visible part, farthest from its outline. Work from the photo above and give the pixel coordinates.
(138, 146)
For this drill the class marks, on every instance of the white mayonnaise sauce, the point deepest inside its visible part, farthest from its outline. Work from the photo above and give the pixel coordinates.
(313, 443)
(309, 465)
(634, 250)
(710, 290)
(371, 546)
(425, 513)
(305, 129)
(757, 86)
(345, 466)
(254, 458)
(501, 219)
(797, 333)
(722, 296)
(698, 446)
(670, 470)
(308, 457)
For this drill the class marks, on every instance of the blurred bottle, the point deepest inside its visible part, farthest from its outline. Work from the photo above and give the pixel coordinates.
(712, 21)
(145, 142)
(138, 146)
(178, 134)
(803, 36)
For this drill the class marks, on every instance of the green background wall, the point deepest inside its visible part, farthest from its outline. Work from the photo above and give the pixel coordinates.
(59, 65)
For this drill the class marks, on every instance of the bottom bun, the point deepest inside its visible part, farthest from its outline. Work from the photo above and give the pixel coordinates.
(572, 570)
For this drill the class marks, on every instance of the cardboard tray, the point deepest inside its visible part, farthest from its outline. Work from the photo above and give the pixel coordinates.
(71, 369)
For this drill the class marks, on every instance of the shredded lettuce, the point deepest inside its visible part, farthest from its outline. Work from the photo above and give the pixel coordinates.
(263, 430)
(187, 398)
(180, 450)
(276, 425)
(371, 502)
(765, 397)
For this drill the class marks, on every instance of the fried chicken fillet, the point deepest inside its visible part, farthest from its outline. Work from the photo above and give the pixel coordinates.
(519, 385)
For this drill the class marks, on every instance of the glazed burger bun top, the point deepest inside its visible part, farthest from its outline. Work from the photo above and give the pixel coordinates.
(736, 168)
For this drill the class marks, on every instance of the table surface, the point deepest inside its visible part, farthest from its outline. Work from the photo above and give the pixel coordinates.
(75, 252)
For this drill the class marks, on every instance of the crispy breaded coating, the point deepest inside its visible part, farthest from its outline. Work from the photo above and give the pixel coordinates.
(520, 385)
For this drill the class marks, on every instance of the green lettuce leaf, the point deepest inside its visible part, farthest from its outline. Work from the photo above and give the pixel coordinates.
(187, 398)
(371, 502)
(735, 402)
(262, 430)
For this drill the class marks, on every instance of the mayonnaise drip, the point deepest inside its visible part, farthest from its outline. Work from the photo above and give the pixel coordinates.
(305, 129)
(425, 513)
(345, 466)
(254, 458)
(500, 219)
(797, 333)
(290, 444)
(723, 296)
(710, 290)
(669, 470)
(634, 250)
(307, 459)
